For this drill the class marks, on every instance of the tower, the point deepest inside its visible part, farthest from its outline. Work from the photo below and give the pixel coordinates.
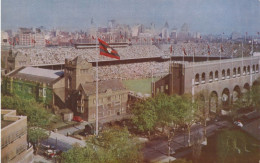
(76, 71)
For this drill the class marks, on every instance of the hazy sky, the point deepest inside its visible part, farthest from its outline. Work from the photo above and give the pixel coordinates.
(206, 16)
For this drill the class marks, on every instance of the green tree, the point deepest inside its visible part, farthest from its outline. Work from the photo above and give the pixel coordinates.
(37, 117)
(145, 116)
(187, 113)
(111, 146)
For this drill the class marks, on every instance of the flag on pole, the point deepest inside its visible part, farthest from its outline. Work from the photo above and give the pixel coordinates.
(208, 50)
(184, 51)
(93, 37)
(106, 50)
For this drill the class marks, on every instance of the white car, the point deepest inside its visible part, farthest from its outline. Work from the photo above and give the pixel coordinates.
(239, 124)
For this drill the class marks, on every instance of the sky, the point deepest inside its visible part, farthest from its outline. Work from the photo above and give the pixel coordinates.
(205, 16)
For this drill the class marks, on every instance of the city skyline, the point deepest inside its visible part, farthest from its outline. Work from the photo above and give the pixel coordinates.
(203, 16)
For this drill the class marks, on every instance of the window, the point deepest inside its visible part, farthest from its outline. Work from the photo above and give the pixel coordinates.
(248, 69)
(44, 92)
(166, 86)
(197, 79)
(203, 78)
(40, 92)
(211, 76)
(234, 72)
(253, 69)
(223, 74)
(228, 73)
(238, 71)
(216, 75)
(244, 70)
(257, 68)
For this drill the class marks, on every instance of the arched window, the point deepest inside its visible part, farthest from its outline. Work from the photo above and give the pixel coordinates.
(223, 74)
(253, 69)
(216, 75)
(203, 78)
(69, 82)
(228, 73)
(257, 68)
(197, 79)
(244, 70)
(248, 69)
(234, 72)
(211, 76)
(238, 71)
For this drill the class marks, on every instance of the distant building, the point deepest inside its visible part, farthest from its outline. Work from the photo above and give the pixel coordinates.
(26, 37)
(39, 38)
(4, 38)
(14, 145)
(184, 33)
(165, 31)
(174, 34)
(235, 36)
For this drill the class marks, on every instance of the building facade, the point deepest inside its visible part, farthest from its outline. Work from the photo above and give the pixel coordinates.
(14, 145)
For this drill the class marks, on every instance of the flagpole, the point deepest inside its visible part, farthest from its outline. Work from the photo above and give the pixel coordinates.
(97, 83)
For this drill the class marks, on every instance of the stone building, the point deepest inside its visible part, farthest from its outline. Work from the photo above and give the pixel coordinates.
(14, 145)
(46, 86)
(223, 80)
(80, 92)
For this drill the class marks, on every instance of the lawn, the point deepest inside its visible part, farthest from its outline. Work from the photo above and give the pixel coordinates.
(139, 85)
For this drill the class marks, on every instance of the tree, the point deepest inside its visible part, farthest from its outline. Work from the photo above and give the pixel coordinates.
(35, 135)
(202, 110)
(186, 113)
(111, 146)
(37, 117)
(144, 116)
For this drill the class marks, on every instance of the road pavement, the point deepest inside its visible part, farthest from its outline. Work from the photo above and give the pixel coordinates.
(156, 149)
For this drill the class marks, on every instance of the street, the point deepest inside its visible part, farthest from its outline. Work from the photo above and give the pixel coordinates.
(155, 150)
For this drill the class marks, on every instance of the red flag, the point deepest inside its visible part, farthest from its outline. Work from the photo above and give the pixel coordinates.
(93, 37)
(106, 50)
(208, 50)
(47, 41)
(221, 48)
(184, 52)
(171, 49)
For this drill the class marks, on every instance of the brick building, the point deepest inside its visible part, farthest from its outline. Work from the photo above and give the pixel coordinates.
(14, 146)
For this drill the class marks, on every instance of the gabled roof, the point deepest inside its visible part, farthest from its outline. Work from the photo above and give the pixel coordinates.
(38, 74)
(103, 86)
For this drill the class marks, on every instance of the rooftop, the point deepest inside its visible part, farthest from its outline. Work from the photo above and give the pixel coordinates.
(103, 86)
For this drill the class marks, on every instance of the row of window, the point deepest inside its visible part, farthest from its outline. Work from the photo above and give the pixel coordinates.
(11, 155)
(106, 113)
(42, 91)
(115, 97)
(12, 137)
(226, 74)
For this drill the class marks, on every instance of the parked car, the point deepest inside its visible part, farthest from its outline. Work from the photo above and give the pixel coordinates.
(238, 123)
(77, 119)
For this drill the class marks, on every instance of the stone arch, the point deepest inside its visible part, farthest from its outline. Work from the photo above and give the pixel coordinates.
(225, 97)
(246, 88)
(236, 93)
(255, 83)
(213, 102)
